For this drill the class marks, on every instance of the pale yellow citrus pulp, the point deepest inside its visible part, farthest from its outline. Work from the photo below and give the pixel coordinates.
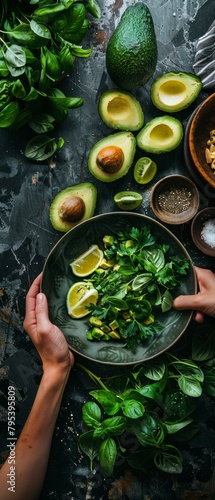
(79, 296)
(87, 262)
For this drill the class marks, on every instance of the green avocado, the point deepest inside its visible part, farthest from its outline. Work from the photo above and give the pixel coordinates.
(111, 157)
(73, 205)
(173, 91)
(121, 110)
(160, 135)
(131, 54)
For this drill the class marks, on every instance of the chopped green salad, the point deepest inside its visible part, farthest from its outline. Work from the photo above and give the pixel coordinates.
(134, 283)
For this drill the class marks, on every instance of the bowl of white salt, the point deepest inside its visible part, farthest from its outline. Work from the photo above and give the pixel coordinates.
(203, 231)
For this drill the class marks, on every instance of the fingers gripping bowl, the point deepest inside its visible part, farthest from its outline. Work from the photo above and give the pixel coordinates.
(58, 278)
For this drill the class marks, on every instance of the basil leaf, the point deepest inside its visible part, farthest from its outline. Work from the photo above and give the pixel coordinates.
(24, 35)
(42, 123)
(108, 400)
(91, 414)
(132, 408)
(89, 445)
(168, 459)
(190, 386)
(93, 8)
(166, 301)
(155, 369)
(15, 56)
(40, 30)
(176, 426)
(8, 114)
(141, 281)
(107, 455)
(40, 148)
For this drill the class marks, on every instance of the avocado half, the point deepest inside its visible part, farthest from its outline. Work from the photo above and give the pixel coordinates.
(111, 157)
(173, 92)
(73, 205)
(121, 110)
(160, 135)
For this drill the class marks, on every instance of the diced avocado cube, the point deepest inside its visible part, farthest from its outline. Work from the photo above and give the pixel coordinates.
(108, 240)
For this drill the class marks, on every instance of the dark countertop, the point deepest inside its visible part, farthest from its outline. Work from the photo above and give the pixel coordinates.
(27, 236)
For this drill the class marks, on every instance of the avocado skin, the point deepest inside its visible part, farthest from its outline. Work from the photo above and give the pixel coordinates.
(131, 54)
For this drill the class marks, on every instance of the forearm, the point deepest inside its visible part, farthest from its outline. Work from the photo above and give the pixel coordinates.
(33, 446)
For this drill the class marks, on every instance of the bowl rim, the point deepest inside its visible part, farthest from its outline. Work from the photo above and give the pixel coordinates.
(174, 220)
(190, 138)
(204, 247)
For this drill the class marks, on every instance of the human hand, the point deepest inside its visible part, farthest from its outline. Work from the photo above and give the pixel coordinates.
(47, 338)
(204, 301)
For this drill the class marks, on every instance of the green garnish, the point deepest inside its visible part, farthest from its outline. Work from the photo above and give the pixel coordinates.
(138, 274)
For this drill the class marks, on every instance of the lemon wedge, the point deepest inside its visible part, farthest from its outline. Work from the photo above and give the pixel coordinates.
(79, 296)
(87, 262)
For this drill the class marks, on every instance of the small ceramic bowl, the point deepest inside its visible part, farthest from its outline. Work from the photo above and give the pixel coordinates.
(203, 231)
(202, 124)
(174, 199)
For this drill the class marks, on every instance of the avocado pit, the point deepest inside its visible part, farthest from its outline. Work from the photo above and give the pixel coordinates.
(110, 159)
(72, 209)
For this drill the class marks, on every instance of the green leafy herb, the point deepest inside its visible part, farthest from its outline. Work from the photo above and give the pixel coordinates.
(39, 41)
(152, 403)
(133, 284)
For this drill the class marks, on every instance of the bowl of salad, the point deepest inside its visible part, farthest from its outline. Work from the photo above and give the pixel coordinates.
(110, 284)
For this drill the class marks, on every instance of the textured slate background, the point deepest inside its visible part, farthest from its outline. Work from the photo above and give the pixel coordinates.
(26, 237)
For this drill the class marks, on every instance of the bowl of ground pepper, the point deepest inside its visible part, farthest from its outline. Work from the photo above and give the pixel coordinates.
(174, 199)
(203, 231)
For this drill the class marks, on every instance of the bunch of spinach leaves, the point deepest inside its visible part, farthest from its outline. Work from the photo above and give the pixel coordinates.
(135, 287)
(149, 408)
(39, 40)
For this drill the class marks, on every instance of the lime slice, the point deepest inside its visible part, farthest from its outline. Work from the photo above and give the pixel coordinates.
(79, 296)
(87, 262)
(128, 200)
(144, 170)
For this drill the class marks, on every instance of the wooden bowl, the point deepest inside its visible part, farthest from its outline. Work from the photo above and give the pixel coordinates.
(174, 199)
(201, 125)
(198, 224)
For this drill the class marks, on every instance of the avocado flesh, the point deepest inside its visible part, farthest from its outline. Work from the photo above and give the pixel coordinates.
(175, 91)
(131, 54)
(121, 110)
(86, 191)
(124, 140)
(160, 135)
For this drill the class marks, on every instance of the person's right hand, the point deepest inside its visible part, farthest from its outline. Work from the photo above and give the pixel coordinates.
(204, 301)
(47, 338)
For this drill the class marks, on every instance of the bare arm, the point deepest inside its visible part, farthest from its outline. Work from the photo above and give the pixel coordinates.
(204, 301)
(33, 446)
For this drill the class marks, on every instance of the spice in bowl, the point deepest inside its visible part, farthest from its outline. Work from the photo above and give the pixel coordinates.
(175, 199)
(208, 232)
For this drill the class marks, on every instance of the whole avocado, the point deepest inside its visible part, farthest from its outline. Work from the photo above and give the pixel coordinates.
(131, 54)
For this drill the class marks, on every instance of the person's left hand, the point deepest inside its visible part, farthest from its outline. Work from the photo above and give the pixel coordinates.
(47, 338)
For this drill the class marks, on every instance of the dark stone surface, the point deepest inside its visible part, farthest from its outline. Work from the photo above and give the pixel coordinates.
(26, 237)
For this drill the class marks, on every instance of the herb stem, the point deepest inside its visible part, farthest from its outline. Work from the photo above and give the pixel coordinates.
(94, 377)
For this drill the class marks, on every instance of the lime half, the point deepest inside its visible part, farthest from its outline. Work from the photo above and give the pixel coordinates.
(128, 200)
(144, 170)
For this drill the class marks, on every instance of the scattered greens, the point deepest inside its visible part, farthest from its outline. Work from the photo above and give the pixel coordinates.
(134, 283)
(149, 408)
(39, 40)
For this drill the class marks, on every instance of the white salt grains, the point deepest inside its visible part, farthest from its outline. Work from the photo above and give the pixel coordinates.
(208, 232)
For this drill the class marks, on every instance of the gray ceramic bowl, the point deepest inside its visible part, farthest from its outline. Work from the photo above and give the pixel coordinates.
(58, 277)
